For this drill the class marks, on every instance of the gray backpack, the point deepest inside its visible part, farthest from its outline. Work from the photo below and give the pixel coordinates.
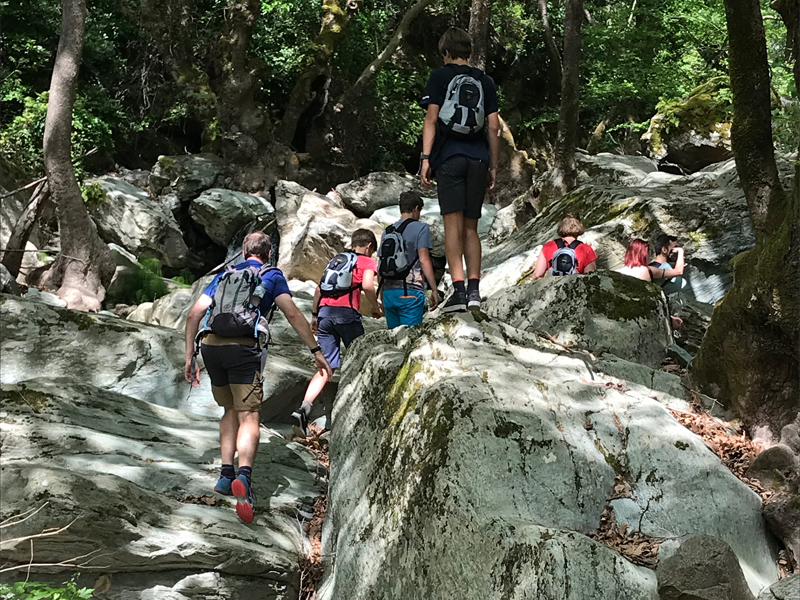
(564, 261)
(337, 279)
(463, 114)
(235, 309)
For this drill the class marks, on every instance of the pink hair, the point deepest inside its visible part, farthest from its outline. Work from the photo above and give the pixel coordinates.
(636, 254)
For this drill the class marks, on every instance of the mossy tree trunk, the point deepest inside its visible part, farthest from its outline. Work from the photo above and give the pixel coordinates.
(480, 18)
(85, 267)
(750, 355)
(564, 175)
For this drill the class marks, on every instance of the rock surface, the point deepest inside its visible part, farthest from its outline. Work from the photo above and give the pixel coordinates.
(703, 568)
(377, 190)
(132, 479)
(185, 176)
(491, 453)
(707, 211)
(600, 312)
(128, 217)
(785, 589)
(221, 213)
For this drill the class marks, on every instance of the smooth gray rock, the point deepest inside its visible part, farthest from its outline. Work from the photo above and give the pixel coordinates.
(599, 312)
(221, 213)
(185, 176)
(703, 568)
(507, 220)
(489, 452)
(614, 169)
(119, 468)
(128, 217)
(374, 191)
(785, 589)
(36, 295)
(8, 285)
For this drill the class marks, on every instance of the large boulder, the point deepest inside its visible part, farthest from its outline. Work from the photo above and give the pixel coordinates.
(707, 211)
(313, 228)
(785, 589)
(221, 213)
(613, 169)
(138, 360)
(130, 482)
(126, 215)
(600, 312)
(693, 131)
(374, 191)
(490, 455)
(171, 310)
(703, 568)
(185, 176)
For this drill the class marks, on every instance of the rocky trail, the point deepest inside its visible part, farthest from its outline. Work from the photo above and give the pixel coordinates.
(545, 447)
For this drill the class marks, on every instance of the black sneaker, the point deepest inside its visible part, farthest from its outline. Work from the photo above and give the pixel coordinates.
(301, 428)
(456, 303)
(474, 300)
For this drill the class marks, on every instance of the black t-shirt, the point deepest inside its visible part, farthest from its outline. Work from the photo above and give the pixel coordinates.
(435, 90)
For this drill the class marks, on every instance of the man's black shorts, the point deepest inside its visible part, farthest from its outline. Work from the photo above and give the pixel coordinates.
(461, 182)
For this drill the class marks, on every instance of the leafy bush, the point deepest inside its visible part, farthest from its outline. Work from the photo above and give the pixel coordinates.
(185, 278)
(140, 284)
(38, 590)
(93, 194)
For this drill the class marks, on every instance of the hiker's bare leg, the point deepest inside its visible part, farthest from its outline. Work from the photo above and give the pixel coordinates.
(472, 248)
(454, 244)
(315, 386)
(247, 440)
(228, 430)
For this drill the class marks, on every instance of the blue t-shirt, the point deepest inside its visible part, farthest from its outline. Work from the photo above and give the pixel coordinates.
(416, 235)
(273, 280)
(435, 90)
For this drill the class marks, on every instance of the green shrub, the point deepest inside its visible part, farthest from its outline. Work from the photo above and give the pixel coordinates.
(93, 194)
(140, 284)
(185, 278)
(38, 590)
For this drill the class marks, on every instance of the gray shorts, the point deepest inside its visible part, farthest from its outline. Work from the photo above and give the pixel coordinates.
(337, 325)
(461, 182)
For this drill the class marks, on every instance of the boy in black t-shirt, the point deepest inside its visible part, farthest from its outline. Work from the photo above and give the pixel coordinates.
(460, 147)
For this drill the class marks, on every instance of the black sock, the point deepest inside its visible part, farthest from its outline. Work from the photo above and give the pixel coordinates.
(472, 285)
(227, 471)
(459, 286)
(306, 408)
(247, 472)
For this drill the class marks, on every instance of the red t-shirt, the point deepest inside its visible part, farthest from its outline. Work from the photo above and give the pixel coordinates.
(584, 253)
(353, 299)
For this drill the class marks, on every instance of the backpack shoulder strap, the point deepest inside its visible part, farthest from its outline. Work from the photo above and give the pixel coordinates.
(575, 244)
(560, 243)
(403, 226)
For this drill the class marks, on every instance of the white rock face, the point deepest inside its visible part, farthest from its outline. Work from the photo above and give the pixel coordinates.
(614, 169)
(221, 213)
(121, 469)
(491, 452)
(171, 310)
(129, 217)
(600, 312)
(375, 191)
(313, 228)
(141, 361)
(707, 211)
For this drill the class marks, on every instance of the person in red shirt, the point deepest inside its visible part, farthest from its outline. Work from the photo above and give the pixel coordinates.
(570, 228)
(337, 320)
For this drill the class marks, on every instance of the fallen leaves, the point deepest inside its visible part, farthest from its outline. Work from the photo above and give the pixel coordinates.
(635, 546)
(206, 500)
(728, 441)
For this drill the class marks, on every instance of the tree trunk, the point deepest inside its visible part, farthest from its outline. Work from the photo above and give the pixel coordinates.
(85, 266)
(564, 175)
(480, 19)
(312, 86)
(750, 354)
(552, 47)
(13, 255)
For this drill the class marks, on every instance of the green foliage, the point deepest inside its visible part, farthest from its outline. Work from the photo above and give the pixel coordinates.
(143, 283)
(93, 194)
(704, 106)
(37, 590)
(185, 278)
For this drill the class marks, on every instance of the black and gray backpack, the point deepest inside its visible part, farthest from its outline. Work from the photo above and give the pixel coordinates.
(463, 114)
(394, 263)
(337, 279)
(564, 261)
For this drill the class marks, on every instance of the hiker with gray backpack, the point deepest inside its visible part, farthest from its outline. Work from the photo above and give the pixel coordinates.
(405, 265)
(460, 148)
(229, 326)
(335, 314)
(566, 255)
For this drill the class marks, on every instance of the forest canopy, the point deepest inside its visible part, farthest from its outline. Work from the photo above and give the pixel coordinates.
(132, 108)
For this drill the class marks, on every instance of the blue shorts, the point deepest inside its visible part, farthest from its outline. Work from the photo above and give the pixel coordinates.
(403, 311)
(337, 324)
